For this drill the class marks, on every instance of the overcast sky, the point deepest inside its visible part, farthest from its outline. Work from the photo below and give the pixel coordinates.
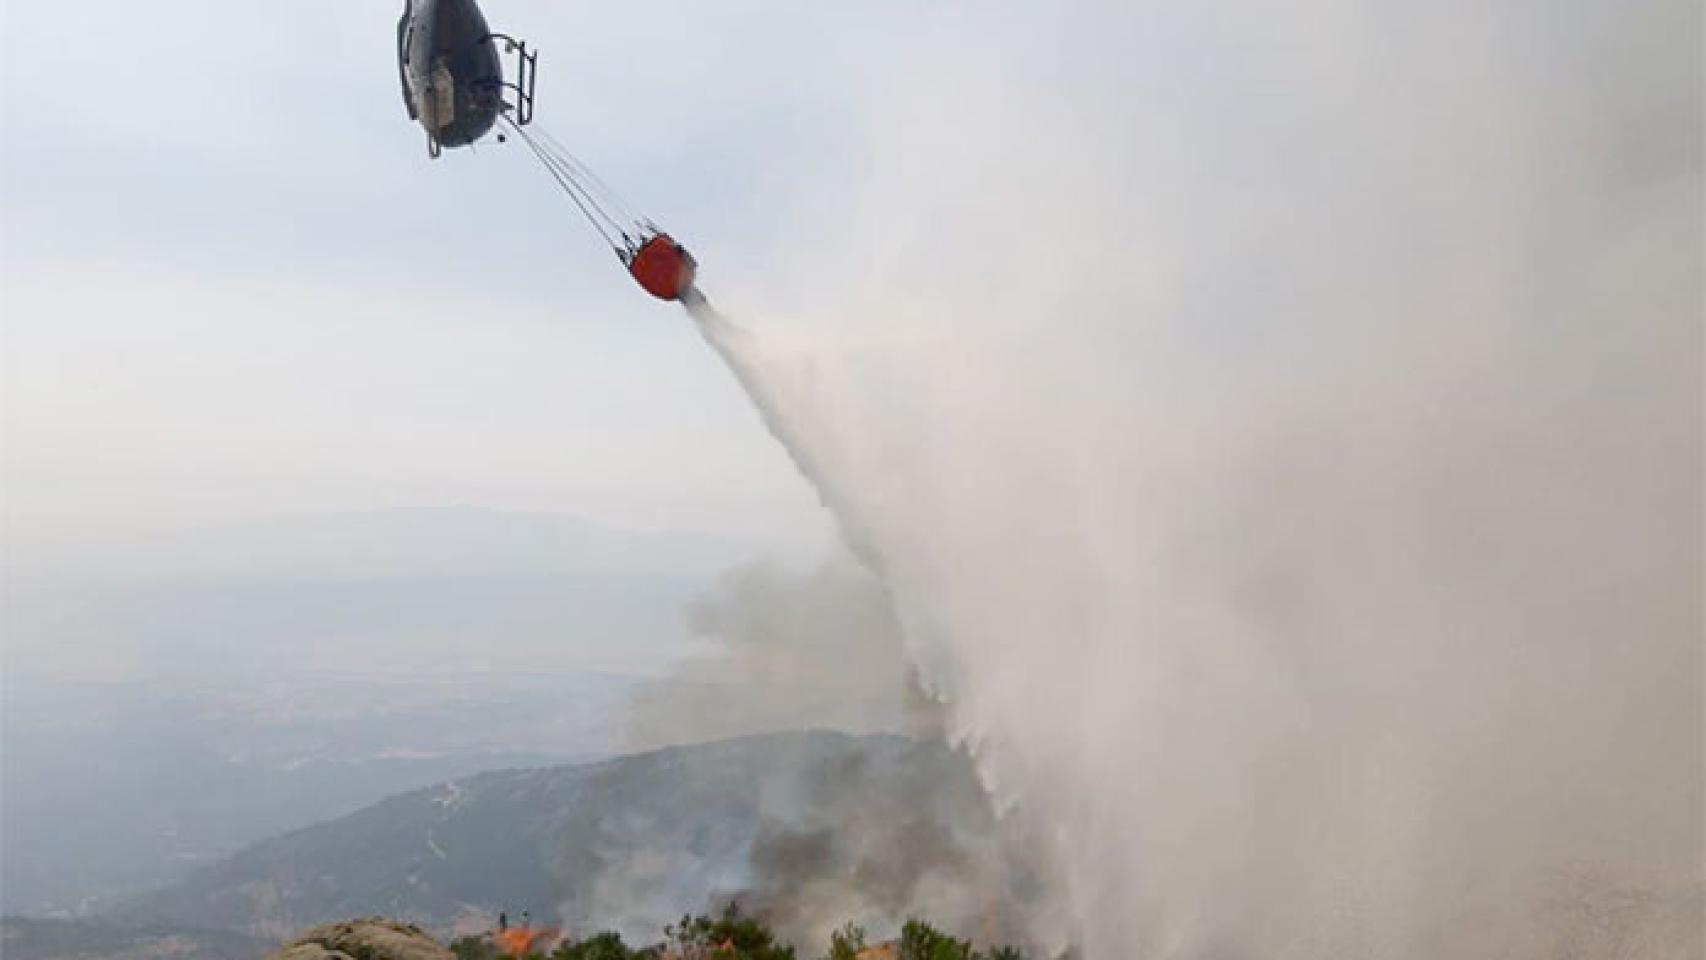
(1299, 397)
(235, 286)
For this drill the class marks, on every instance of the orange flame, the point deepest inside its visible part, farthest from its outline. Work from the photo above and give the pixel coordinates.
(521, 941)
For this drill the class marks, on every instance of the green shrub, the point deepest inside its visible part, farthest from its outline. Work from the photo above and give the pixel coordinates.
(845, 944)
(734, 936)
(604, 946)
(921, 941)
(474, 948)
(729, 937)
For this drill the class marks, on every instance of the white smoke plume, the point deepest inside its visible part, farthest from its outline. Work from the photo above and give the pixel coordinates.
(807, 831)
(880, 830)
(1289, 471)
(788, 650)
(875, 842)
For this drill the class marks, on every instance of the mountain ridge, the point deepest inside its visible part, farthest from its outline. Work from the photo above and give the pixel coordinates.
(625, 843)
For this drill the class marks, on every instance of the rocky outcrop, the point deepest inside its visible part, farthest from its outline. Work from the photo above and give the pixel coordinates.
(370, 939)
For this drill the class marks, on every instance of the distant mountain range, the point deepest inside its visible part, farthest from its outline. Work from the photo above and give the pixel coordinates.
(170, 698)
(795, 825)
(115, 789)
(26, 939)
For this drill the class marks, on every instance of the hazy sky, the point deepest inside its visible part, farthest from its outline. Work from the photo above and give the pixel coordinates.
(235, 285)
(1299, 398)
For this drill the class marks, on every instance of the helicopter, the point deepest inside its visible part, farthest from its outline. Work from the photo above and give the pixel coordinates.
(452, 73)
(454, 86)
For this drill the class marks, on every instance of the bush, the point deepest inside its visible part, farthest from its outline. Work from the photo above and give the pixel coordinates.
(474, 948)
(733, 936)
(845, 944)
(605, 946)
(729, 937)
(921, 941)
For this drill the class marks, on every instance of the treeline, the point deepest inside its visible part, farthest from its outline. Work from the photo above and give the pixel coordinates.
(733, 936)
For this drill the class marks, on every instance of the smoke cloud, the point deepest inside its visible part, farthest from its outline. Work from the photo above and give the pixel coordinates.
(875, 839)
(873, 831)
(1282, 443)
(805, 830)
(787, 650)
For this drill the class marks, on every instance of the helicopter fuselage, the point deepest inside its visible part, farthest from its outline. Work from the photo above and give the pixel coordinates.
(453, 82)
